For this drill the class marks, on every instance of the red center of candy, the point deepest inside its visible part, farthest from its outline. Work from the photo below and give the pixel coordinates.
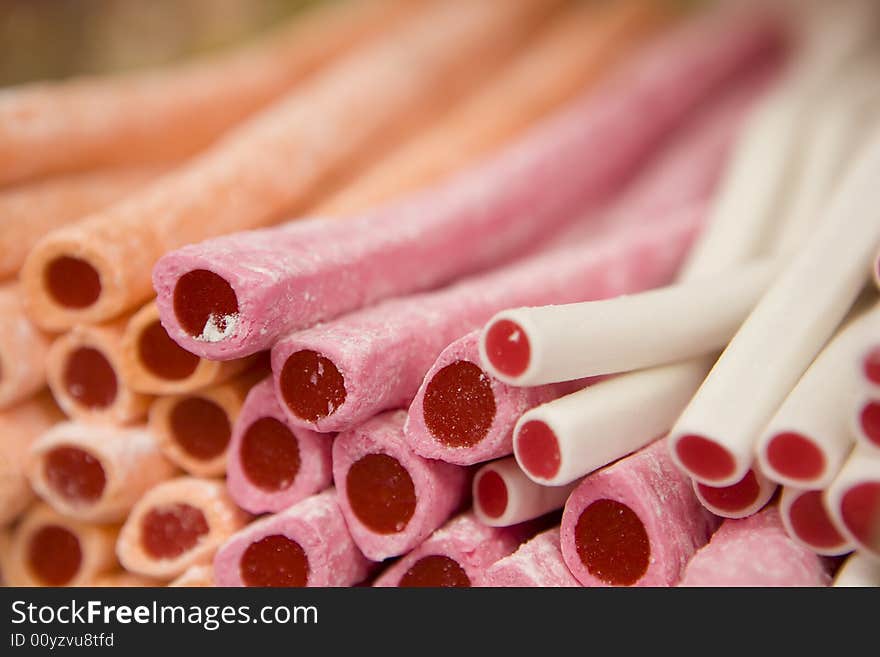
(538, 449)
(507, 347)
(705, 458)
(269, 455)
(275, 561)
(74, 474)
(311, 385)
(811, 522)
(204, 299)
(860, 508)
(169, 531)
(72, 282)
(737, 497)
(869, 418)
(381, 493)
(90, 378)
(200, 427)
(434, 571)
(162, 356)
(54, 555)
(612, 543)
(872, 366)
(795, 456)
(459, 405)
(492, 494)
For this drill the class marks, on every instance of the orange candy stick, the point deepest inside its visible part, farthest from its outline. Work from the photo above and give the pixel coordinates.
(48, 549)
(194, 429)
(48, 128)
(23, 350)
(572, 52)
(101, 267)
(95, 473)
(19, 428)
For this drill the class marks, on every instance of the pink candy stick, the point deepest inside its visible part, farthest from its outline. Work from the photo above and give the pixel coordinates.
(456, 555)
(271, 464)
(537, 563)
(463, 415)
(392, 498)
(634, 523)
(755, 551)
(305, 545)
(260, 285)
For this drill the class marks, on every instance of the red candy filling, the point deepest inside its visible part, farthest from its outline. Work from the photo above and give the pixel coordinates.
(612, 543)
(795, 456)
(54, 555)
(704, 457)
(435, 571)
(811, 522)
(381, 493)
(200, 427)
(492, 494)
(459, 405)
(507, 347)
(162, 356)
(90, 379)
(200, 297)
(275, 561)
(74, 474)
(72, 282)
(860, 508)
(737, 497)
(169, 531)
(538, 449)
(312, 386)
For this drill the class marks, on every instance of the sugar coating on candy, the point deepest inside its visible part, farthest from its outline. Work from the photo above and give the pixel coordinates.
(171, 530)
(869, 418)
(705, 457)
(312, 386)
(508, 348)
(536, 563)
(200, 427)
(459, 405)
(275, 561)
(538, 450)
(492, 494)
(381, 493)
(612, 543)
(733, 498)
(269, 454)
(54, 555)
(162, 356)
(205, 305)
(435, 570)
(74, 474)
(90, 379)
(795, 456)
(860, 509)
(811, 521)
(871, 366)
(72, 282)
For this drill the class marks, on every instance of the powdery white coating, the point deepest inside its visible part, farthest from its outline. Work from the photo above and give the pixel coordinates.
(858, 571)
(474, 546)
(755, 551)
(195, 577)
(440, 488)
(317, 525)
(479, 218)
(510, 403)
(131, 459)
(23, 348)
(648, 483)
(537, 563)
(315, 470)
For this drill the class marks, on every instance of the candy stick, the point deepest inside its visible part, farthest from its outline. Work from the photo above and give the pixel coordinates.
(755, 551)
(22, 350)
(195, 577)
(273, 465)
(853, 500)
(714, 439)
(305, 545)
(392, 499)
(573, 52)
(194, 430)
(154, 364)
(858, 571)
(742, 499)
(807, 440)
(537, 563)
(94, 473)
(273, 162)
(19, 428)
(635, 523)
(83, 123)
(84, 371)
(865, 422)
(48, 549)
(177, 524)
(264, 284)
(504, 496)
(462, 415)
(456, 555)
(807, 522)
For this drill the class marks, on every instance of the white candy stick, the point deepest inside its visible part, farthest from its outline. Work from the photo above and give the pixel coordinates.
(807, 521)
(858, 571)
(853, 500)
(742, 499)
(504, 495)
(865, 421)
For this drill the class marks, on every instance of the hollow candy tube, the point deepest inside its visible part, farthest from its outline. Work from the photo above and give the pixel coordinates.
(536, 563)
(809, 524)
(744, 498)
(853, 500)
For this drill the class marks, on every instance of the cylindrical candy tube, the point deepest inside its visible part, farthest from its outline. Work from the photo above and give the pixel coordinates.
(391, 497)
(177, 524)
(456, 555)
(48, 549)
(858, 571)
(635, 523)
(744, 498)
(272, 465)
(23, 349)
(807, 521)
(537, 563)
(95, 473)
(195, 577)
(755, 551)
(85, 374)
(462, 415)
(305, 545)
(503, 495)
(853, 500)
